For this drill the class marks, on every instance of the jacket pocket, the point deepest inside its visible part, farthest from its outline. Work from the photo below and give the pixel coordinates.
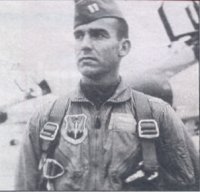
(71, 180)
(118, 174)
(121, 140)
(74, 159)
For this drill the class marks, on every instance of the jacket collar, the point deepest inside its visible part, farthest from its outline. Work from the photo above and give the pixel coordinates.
(122, 94)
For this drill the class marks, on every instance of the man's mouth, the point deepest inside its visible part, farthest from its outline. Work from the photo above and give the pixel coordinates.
(87, 58)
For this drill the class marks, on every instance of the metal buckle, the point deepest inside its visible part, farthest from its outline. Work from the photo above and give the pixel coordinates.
(49, 131)
(42, 161)
(52, 169)
(148, 129)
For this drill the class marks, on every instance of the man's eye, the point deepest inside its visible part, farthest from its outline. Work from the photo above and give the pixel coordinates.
(98, 35)
(78, 36)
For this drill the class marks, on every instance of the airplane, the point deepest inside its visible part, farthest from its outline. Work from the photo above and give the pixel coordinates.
(21, 86)
(163, 81)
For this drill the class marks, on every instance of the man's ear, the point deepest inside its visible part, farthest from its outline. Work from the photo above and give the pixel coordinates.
(124, 48)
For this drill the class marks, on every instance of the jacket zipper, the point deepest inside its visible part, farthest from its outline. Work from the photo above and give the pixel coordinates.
(97, 126)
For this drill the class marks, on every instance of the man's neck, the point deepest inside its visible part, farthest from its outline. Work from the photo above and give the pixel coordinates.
(102, 82)
(99, 93)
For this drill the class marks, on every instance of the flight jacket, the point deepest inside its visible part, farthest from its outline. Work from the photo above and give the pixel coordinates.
(101, 158)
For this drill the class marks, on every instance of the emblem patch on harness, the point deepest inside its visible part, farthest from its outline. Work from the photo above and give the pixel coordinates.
(75, 130)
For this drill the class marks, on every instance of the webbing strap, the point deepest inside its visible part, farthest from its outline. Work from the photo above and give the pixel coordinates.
(143, 112)
(149, 155)
(56, 116)
(58, 111)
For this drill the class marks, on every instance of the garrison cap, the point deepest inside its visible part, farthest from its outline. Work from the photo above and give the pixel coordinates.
(87, 11)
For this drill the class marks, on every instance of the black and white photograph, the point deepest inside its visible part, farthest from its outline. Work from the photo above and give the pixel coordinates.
(99, 95)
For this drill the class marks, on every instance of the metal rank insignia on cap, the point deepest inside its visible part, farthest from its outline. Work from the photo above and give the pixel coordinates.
(93, 8)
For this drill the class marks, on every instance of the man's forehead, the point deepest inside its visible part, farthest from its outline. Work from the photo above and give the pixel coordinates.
(100, 24)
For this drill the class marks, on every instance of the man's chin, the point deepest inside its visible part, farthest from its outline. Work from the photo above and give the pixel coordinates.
(92, 74)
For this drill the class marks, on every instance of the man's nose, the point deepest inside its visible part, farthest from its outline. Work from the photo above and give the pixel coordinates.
(86, 44)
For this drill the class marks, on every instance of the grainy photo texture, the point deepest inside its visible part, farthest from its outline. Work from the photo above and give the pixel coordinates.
(99, 95)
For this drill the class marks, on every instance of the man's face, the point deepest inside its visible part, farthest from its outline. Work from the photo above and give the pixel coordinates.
(97, 48)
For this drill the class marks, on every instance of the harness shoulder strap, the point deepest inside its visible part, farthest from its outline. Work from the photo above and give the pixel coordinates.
(148, 131)
(50, 133)
(58, 110)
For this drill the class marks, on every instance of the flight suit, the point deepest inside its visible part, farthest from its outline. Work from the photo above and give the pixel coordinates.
(101, 157)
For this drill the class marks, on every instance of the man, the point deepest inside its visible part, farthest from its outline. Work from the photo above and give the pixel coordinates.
(98, 147)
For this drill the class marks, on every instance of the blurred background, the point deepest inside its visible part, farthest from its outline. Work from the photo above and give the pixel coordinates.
(37, 62)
